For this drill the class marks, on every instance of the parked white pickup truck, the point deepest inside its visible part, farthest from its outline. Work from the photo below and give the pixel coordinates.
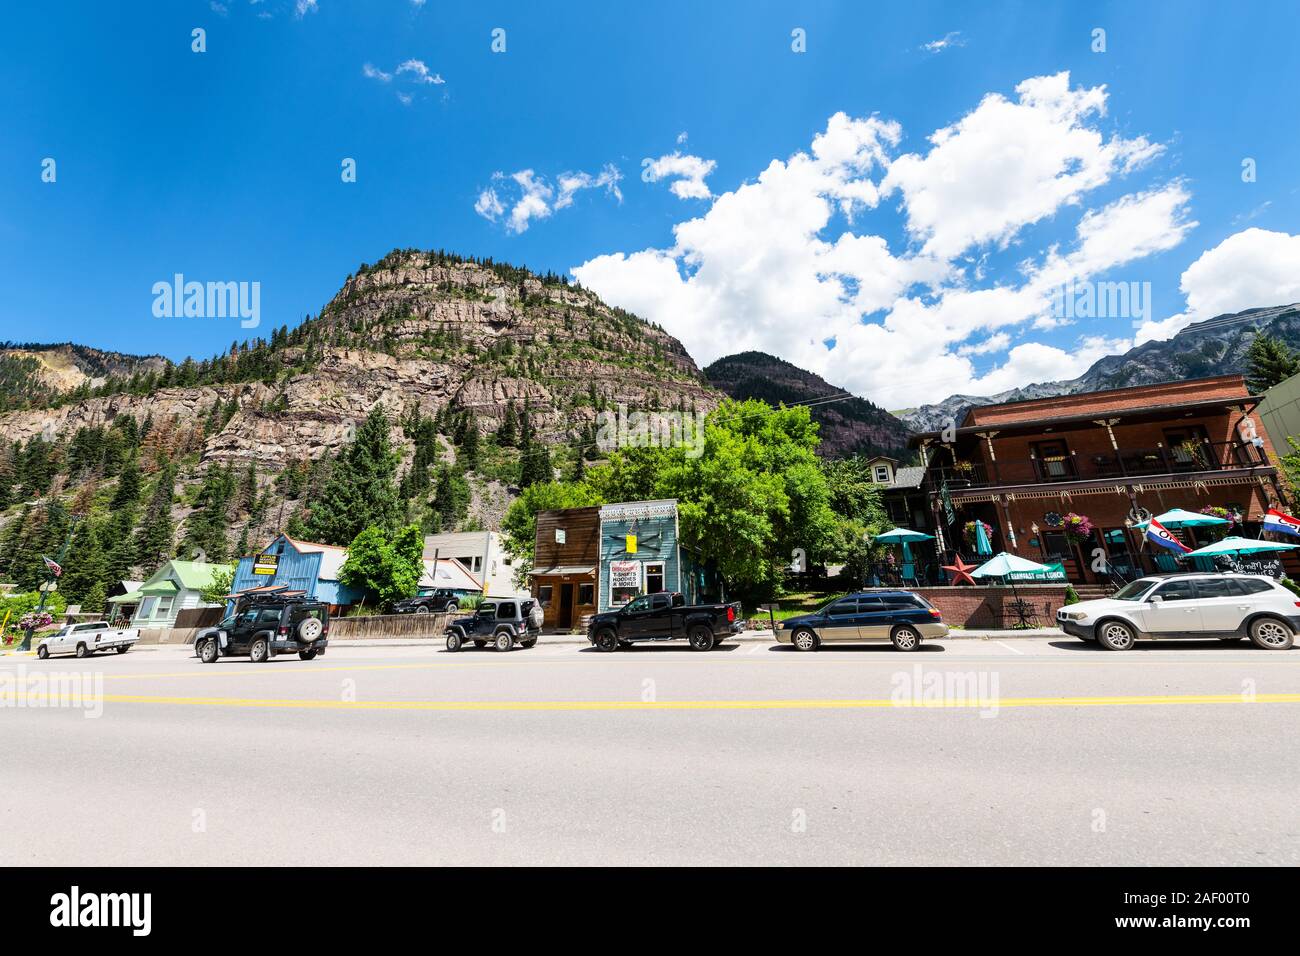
(86, 638)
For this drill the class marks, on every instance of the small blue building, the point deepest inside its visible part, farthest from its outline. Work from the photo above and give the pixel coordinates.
(641, 553)
(299, 566)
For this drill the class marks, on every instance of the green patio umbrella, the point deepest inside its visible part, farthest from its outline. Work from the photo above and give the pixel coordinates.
(1009, 567)
(1180, 518)
(903, 536)
(1240, 546)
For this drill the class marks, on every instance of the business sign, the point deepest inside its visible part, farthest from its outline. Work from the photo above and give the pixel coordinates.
(559, 536)
(1054, 572)
(630, 544)
(625, 575)
(266, 564)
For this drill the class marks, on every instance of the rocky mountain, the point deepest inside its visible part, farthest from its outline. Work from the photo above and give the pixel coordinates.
(1216, 346)
(848, 426)
(427, 335)
(34, 374)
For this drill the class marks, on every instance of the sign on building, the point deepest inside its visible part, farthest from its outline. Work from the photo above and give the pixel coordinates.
(266, 564)
(624, 581)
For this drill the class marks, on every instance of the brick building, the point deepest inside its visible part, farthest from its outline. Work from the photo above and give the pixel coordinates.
(1116, 456)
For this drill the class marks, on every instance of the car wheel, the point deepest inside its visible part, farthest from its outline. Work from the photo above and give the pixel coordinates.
(208, 650)
(1116, 636)
(905, 638)
(422, 609)
(531, 642)
(701, 638)
(1270, 634)
(42, 652)
(309, 629)
(259, 651)
(124, 648)
(607, 641)
(805, 639)
(454, 641)
(307, 655)
(504, 641)
(452, 607)
(81, 651)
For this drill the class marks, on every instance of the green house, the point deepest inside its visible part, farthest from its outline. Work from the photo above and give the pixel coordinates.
(173, 588)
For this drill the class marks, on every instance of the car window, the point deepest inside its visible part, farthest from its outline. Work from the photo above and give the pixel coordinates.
(1252, 585)
(1214, 588)
(505, 610)
(641, 603)
(270, 616)
(487, 610)
(870, 603)
(1134, 590)
(1176, 591)
(660, 602)
(843, 608)
(901, 602)
(247, 619)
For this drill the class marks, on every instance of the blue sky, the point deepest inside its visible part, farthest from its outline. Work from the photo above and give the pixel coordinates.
(225, 166)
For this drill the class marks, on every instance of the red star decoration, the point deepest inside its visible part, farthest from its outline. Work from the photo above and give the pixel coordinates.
(960, 569)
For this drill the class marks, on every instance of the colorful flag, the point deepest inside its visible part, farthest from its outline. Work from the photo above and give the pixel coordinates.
(1274, 520)
(54, 566)
(1159, 534)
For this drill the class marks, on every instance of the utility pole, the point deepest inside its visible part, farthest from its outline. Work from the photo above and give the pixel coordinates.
(51, 577)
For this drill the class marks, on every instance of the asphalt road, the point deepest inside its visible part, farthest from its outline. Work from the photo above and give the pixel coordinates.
(1044, 751)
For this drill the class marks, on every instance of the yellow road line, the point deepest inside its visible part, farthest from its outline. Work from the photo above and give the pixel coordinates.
(618, 705)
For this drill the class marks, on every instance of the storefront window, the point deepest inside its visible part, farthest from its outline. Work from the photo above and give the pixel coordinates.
(544, 593)
(586, 594)
(654, 578)
(624, 581)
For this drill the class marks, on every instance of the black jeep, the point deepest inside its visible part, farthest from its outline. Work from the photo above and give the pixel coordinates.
(504, 622)
(260, 628)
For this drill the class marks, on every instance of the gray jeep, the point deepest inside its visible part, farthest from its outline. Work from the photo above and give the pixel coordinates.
(504, 622)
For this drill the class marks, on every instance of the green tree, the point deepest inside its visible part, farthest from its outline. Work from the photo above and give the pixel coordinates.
(383, 564)
(361, 490)
(153, 539)
(508, 433)
(219, 585)
(1268, 361)
(85, 565)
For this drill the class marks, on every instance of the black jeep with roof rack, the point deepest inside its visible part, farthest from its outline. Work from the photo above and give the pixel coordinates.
(265, 625)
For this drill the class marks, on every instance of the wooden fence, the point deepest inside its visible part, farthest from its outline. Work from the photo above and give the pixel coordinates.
(388, 626)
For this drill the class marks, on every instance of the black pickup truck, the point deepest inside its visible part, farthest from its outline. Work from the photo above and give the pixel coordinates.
(664, 617)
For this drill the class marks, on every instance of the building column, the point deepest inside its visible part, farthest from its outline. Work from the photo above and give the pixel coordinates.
(1109, 424)
(1005, 500)
(993, 458)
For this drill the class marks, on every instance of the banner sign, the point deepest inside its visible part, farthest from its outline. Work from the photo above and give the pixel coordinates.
(1054, 572)
(625, 575)
(266, 564)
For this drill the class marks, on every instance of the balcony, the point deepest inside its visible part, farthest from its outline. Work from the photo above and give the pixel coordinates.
(1127, 463)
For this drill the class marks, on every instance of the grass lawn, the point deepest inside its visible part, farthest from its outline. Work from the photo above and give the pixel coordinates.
(792, 605)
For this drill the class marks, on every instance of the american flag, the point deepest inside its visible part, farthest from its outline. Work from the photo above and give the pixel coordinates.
(55, 568)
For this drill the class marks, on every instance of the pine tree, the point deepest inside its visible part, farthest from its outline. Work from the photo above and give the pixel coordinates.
(361, 490)
(153, 539)
(508, 433)
(1269, 361)
(468, 458)
(127, 493)
(536, 465)
(85, 564)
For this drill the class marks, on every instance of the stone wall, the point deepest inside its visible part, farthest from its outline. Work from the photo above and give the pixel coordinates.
(991, 606)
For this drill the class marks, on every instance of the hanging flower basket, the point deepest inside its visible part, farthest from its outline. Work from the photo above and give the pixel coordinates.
(1077, 528)
(968, 532)
(1215, 511)
(35, 620)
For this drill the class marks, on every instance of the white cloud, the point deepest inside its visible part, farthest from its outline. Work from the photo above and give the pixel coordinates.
(1251, 269)
(943, 43)
(686, 172)
(304, 7)
(373, 72)
(539, 199)
(1008, 164)
(769, 266)
(419, 72)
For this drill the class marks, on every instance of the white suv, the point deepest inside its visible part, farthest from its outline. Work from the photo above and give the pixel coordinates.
(1170, 606)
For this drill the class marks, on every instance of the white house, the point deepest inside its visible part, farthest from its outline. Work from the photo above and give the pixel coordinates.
(482, 555)
(173, 588)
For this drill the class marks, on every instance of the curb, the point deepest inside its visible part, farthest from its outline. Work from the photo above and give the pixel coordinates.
(751, 637)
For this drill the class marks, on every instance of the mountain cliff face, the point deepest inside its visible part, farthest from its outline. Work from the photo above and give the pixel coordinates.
(430, 337)
(848, 427)
(1216, 346)
(416, 331)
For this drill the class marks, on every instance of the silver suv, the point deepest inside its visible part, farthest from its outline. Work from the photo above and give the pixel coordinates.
(1172, 606)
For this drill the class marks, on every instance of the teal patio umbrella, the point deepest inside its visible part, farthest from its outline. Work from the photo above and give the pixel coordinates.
(1180, 518)
(982, 546)
(1240, 546)
(903, 536)
(1009, 567)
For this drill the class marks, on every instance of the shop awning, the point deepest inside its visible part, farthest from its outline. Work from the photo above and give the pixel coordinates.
(563, 569)
(161, 589)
